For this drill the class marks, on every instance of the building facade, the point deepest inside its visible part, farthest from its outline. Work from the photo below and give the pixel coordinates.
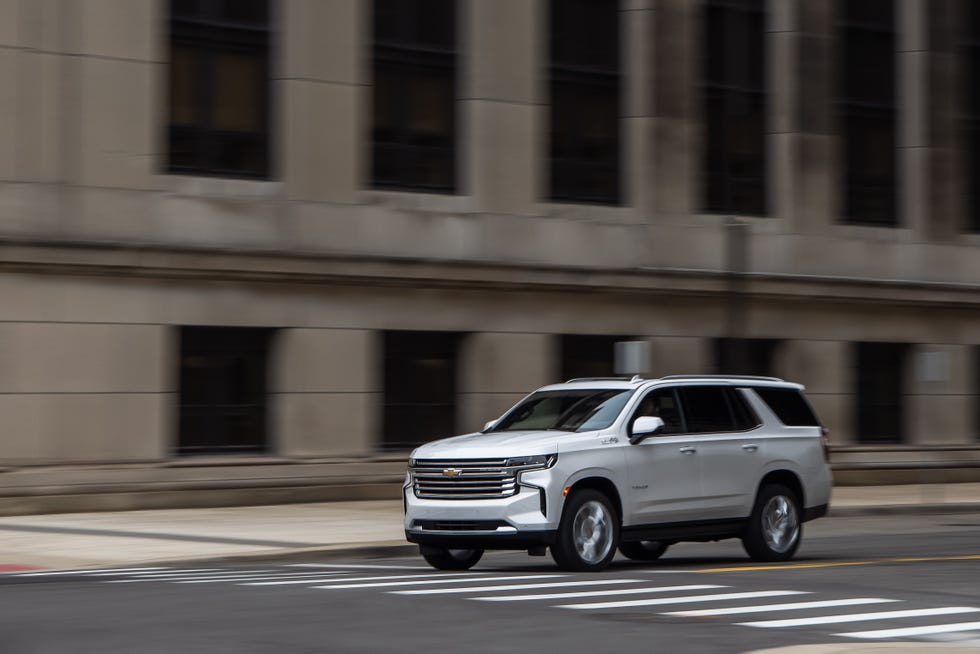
(324, 230)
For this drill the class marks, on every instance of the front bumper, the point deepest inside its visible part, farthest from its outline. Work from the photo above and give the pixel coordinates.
(520, 521)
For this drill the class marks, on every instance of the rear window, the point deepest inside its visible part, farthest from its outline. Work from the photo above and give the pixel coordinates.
(789, 405)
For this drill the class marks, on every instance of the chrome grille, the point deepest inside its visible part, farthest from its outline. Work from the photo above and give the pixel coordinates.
(465, 479)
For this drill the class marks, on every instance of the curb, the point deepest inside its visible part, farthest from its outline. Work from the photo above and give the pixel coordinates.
(903, 509)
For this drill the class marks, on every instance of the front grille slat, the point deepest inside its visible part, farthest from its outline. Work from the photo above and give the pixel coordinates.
(473, 479)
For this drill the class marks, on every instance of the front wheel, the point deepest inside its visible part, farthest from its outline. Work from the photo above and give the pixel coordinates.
(445, 559)
(644, 550)
(588, 533)
(774, 528)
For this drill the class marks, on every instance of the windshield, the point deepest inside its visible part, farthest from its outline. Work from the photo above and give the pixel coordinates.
(578, 410)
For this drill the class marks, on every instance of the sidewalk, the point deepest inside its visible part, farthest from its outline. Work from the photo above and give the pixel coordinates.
(365, 528)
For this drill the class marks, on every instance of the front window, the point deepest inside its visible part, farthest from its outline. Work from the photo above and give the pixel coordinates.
(579, 410)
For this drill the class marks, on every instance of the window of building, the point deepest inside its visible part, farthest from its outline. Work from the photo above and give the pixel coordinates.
(746, 356)
(971, 114)
(880, 377)
(734, 102)
(585, 101)
(420, 380)
(414, 103)
(223, 401)
(867, 113)
(219, 88)
(588, 355)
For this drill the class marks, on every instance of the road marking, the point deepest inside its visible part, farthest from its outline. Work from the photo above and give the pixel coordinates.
(842, 564)
(151, 575)
(425, 576)
(682, 600)
(491, 589)
(860, 617)
(597, 593)
(372, 567)
(315, 577)
(915, 631)
(793, 606)
(432, 581)
(81, 572)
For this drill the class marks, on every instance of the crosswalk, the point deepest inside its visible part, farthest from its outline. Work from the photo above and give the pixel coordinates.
(872, 618)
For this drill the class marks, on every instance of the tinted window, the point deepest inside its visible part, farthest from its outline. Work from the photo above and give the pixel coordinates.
(745, 417)
(706, 409)
(582, 410)
(662, 403)
(789, 406)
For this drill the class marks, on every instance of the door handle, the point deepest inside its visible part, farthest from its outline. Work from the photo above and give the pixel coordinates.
(751, 447)
(688, 450)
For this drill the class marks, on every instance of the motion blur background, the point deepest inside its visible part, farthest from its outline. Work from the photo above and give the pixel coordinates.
(255, 250)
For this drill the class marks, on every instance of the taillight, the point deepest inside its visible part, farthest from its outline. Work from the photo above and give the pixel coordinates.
(825, 441)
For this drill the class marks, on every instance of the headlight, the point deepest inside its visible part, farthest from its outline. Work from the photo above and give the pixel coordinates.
(529, 462)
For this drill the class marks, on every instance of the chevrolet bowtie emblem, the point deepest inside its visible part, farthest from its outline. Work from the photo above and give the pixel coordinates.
(452, 472)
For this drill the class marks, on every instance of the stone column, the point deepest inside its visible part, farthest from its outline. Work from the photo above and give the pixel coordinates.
(321, 86)
(498, 369)
(676, 114)
(940, 403)
(818, 169)
(823, 367)
(783, 39)
(912, 142)
(503, 103)
(637, 28)
(325, 392)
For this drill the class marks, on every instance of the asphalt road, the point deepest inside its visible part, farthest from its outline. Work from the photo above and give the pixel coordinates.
(855, 580)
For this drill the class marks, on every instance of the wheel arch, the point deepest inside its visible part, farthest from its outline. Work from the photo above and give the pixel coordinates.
(787, 478)
(603, 485)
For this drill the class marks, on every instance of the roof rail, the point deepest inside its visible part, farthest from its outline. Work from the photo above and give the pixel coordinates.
(739, 377)
(634, 378)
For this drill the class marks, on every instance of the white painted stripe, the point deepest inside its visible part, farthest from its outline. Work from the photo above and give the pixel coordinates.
(915, 631)
(860, 617)
(81, 572)
(597, 593)
(434, 574)
(158, 573)
(793, 606)
(354, 567)
(491, 589)
(312, 577)
(433, 581)
(683, 600)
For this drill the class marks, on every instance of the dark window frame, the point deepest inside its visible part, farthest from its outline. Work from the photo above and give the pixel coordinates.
(233, 363)
(734, 82)
(406, 405)
(401, 55)
(875, 392)
(862, 108)
(209, 29)
(580, 171)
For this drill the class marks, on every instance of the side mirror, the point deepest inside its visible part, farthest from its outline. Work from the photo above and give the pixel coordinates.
(645, 426)
(489, 425)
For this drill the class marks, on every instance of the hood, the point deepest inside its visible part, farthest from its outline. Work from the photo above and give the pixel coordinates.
(493, 445)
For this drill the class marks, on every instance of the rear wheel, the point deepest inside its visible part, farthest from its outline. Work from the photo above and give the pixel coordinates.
(644, 550)
(446, 559)
(774, 528)
(588, 533)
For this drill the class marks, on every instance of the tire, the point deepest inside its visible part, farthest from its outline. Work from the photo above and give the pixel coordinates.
(644, 550)
(446, 559)
(775, 528)
(588, 533)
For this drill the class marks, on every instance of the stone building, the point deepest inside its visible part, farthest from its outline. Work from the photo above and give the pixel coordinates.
(305, 234)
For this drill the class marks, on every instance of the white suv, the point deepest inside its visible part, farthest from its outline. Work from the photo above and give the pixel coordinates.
(593, 465)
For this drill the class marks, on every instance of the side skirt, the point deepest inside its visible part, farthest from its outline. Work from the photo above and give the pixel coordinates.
(678, 531)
